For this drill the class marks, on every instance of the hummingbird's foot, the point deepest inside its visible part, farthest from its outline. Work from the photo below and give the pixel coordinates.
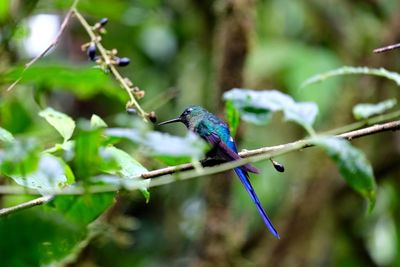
(208, 162)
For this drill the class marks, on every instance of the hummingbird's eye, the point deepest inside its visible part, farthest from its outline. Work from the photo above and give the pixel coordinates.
(189, 110)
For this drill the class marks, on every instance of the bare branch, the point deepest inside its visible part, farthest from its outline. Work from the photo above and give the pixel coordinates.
(51, 45)
(182, 171)
(54, 42)
(386, 48)
(25, 205)
(390, 126)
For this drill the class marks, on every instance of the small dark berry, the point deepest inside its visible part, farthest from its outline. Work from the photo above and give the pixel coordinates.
(152, 117)
(131, 111)
(278, 166)
(103, 22)
(123, 61)
(91, 52)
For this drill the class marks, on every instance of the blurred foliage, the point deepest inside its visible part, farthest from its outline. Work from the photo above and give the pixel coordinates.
(48, 143)
(363, 111)
(258, 106)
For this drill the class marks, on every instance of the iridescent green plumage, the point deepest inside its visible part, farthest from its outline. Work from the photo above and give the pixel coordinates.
(216, 132)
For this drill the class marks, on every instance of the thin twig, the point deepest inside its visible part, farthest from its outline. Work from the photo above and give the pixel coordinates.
(108, 63)
(386, 48)
(50, 46)
(29, 204)
(363, 123)
(164, 176)
(95, 39)
(56, 39)
(185, 171)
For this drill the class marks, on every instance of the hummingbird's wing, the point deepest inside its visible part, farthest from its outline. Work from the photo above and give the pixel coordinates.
(225, 152)
(226, 149)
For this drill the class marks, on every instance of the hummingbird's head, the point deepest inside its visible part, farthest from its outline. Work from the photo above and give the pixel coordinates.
(189, 116)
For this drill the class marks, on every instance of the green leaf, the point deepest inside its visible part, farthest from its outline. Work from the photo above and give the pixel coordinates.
(66, 146)
(45, 237)
(4, 10)
(257, 106)
(127, 168)
(352, 165)
(51, 174)
(15, 116)
(87, 159)
(97, 122)
(394, 76)
(232, 117)
(83, 81)
(168, 148)
(126, 183)
(364, 111)
(61, 122)
(59, 228)
(20, 157)
(6, 136)
(83, 209)
(126, 165)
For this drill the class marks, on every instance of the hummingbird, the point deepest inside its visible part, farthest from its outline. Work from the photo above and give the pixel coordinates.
(216, 132)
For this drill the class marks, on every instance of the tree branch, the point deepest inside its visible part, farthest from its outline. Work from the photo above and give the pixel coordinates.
(29, 204)
(162, 176)
(103, 52)
(389, 126)
(164, 173)
(51, 45)
(187, 171)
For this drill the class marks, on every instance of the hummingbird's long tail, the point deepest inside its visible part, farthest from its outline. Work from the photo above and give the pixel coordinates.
(244, 178)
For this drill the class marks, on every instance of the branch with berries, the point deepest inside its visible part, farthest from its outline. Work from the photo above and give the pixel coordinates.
(106, 59)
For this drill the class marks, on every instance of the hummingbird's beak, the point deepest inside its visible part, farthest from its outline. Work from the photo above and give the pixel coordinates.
(170, 121)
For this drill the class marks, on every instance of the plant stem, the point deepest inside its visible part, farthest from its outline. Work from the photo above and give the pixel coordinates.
(94, 38)
(185, 171)
(25, 205)
(356, 125)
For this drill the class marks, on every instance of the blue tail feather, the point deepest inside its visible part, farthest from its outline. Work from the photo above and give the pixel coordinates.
(249, 188)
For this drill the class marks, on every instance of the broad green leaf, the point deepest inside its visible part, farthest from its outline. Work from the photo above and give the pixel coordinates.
(59, 227)
(19, 157)
(15, 116)
(352, 165)
(168, 148)
(303, 113)
(83, 81)
(61, 122)
(363, 111)
(394, 76)
(97, 122)
(257, 106)
(161, 144)
(66, 146)
(44, 237)
(5, 136)
(83, 209)
(4, 10)
(51, 174)
(87, 159)
(127, 168)
(126, 183)
(126, 165)
(232, 117)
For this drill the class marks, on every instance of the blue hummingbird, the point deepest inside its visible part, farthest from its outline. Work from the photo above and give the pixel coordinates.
(216, 133)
